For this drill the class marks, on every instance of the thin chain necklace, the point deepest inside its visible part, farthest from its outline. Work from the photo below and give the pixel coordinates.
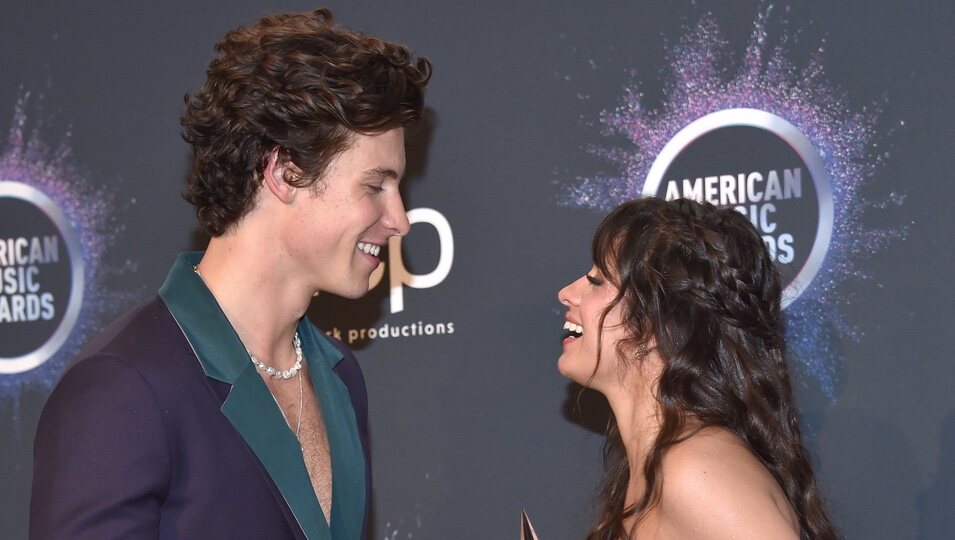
(301, 409)
(281, 374)
(287, 374)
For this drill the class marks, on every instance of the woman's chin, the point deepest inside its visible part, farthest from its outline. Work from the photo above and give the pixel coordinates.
(573, 370)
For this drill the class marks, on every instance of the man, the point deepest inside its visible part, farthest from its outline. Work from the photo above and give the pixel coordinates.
(217, 410)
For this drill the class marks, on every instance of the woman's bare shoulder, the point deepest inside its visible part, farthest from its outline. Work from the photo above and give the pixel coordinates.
(715, 487)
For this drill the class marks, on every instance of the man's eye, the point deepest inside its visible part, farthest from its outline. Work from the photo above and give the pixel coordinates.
(375, 188)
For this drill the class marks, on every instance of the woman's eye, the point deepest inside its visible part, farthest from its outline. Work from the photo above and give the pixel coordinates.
(594, 280)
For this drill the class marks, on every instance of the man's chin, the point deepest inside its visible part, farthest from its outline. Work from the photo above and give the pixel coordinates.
(351, 288)
(351, 293)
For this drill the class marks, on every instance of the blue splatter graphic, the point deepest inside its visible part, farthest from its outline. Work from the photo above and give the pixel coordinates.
(28, 160)
(704, 80)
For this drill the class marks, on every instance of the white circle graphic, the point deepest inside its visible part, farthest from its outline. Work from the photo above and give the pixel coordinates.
(28, 361)
(797, 141)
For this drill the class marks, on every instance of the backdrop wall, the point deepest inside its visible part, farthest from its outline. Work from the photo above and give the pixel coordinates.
(541, 115)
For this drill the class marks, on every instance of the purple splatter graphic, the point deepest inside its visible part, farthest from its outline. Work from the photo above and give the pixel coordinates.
(28, 160)
(704, 80)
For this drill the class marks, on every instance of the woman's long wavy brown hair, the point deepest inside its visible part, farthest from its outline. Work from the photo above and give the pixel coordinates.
(699, 282)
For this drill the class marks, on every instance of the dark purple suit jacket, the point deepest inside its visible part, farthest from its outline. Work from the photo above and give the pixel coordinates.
(132, 444)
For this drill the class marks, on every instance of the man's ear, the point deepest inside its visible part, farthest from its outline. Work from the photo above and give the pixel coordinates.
(276, 174)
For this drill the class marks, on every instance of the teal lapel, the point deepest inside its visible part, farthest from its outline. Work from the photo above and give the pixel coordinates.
(254, 413)
(348, 460)
(252, 410)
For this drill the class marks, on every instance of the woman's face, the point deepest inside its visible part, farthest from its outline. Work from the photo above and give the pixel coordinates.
(587, 300)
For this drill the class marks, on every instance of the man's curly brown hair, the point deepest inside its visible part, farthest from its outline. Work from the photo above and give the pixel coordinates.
(297, 82)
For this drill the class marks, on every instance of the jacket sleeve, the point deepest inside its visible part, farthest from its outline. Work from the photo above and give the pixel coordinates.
(101, 463)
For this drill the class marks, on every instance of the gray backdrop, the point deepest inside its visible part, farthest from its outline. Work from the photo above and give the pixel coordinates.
(472, 425)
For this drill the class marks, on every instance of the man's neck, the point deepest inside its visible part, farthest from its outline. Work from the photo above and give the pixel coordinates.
(262, 302)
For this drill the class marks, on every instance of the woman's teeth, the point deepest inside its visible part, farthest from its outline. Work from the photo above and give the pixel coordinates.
(370, 249)
(574, 330)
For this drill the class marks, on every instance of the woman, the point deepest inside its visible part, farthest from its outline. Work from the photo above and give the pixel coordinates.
(679, 325)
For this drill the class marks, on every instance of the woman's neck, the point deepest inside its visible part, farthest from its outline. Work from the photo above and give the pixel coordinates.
(638, 424)
(637, 413)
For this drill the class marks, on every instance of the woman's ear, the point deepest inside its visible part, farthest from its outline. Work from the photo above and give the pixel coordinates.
(277, 173)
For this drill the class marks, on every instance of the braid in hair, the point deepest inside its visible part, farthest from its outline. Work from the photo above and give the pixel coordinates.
(699, 282)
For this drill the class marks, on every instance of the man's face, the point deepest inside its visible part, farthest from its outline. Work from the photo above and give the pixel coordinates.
(335, 231)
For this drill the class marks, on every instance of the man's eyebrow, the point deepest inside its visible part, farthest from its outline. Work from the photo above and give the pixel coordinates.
(382, 173)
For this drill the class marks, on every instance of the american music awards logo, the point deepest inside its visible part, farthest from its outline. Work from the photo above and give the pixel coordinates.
(782, 188)
(53, 234)
(773, 141)
(41, 290)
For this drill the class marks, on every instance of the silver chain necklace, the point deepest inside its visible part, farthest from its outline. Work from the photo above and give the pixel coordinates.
(301, 409)
(287, 374)
(281, 374)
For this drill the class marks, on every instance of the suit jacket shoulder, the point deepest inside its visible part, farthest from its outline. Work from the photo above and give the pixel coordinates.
(132, 444)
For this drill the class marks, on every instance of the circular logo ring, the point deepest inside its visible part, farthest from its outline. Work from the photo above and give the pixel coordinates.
(26, 362)
(799, 143)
